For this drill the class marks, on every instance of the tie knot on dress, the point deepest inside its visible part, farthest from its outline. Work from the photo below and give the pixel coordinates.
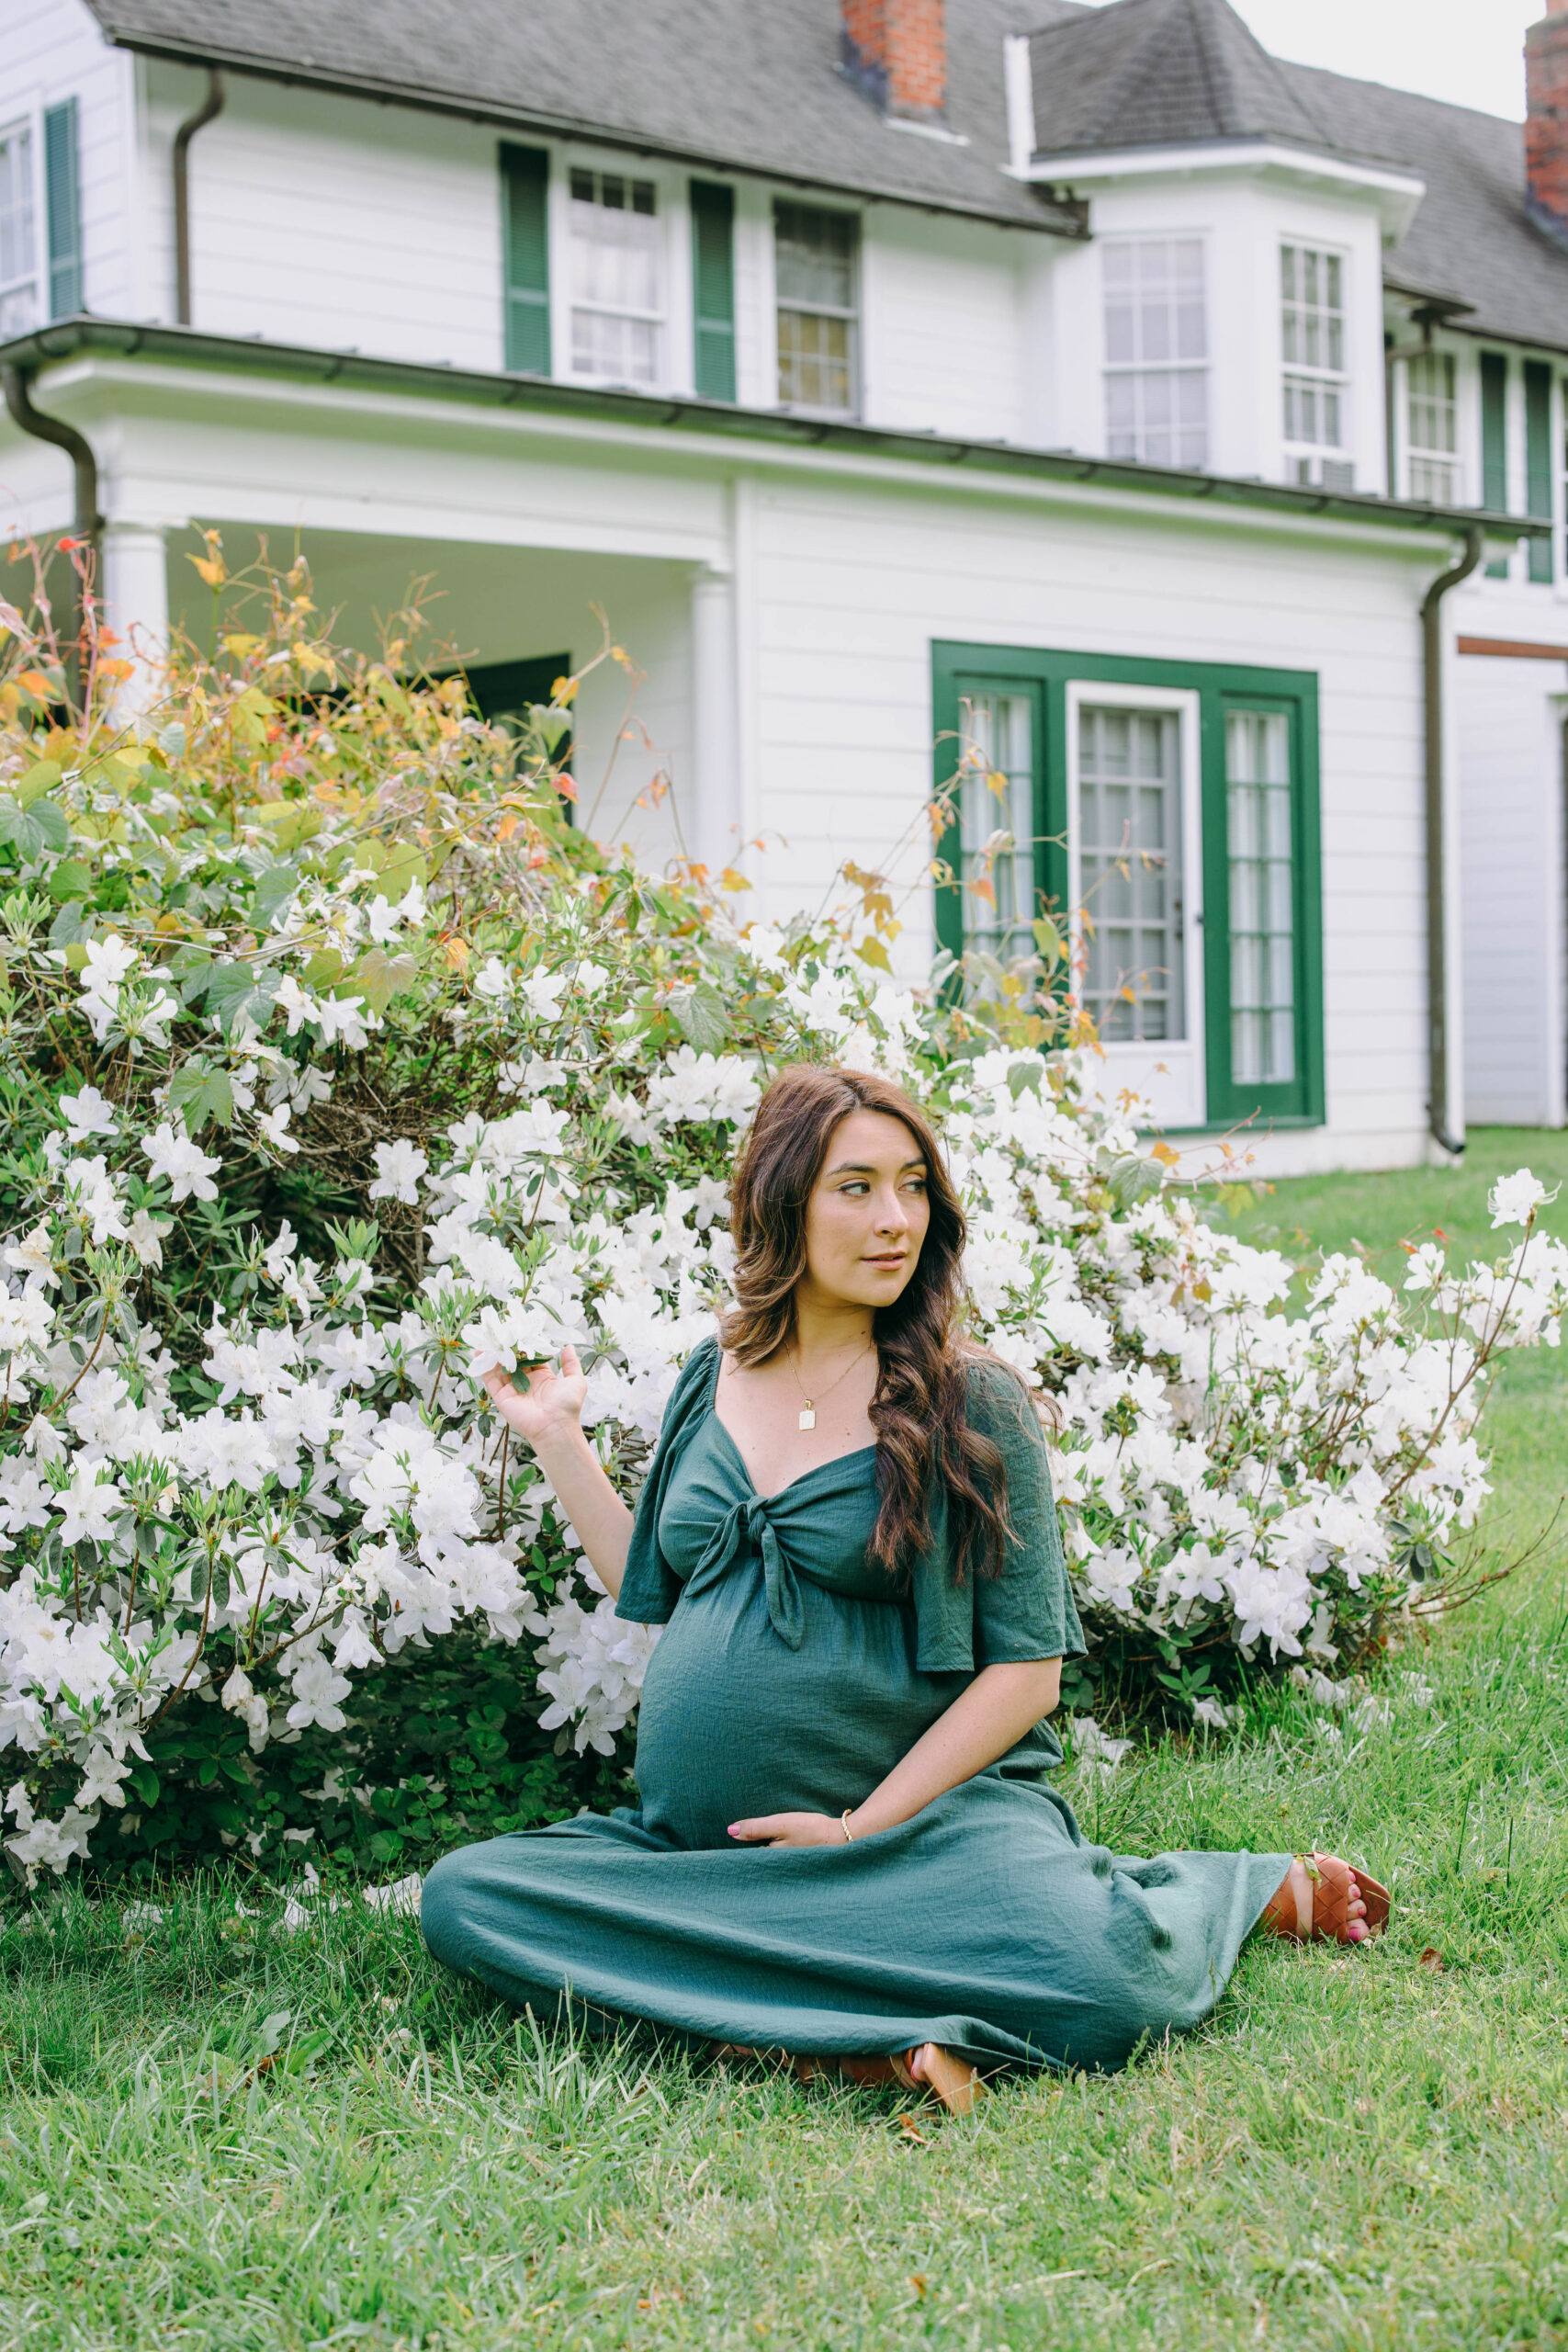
(747, 1530)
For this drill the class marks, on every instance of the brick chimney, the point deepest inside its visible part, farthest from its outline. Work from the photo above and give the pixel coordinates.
(896, 53)
(1546, 120)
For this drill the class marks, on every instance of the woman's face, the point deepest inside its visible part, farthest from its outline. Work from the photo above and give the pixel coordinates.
(868, 1212)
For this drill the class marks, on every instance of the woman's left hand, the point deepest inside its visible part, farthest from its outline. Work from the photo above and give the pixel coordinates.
(789, 1829)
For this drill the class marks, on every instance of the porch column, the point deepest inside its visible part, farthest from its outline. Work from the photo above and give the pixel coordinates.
(135, 596)
(714, 836)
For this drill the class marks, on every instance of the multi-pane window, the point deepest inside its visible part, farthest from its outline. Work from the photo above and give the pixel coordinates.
(816, 254)
(1262, 898)
(1130, 871)
(1433, 427)
(996, 794)
(18, 232)
(1317, 395)
(1156, 351)
(617, 277)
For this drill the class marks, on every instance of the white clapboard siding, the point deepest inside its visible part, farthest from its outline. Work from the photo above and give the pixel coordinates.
(1508, 729)
(852, 589)
(52, 51)
(326, 220)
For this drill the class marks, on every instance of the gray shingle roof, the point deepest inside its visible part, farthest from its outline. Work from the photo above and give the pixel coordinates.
(1162, 72)
(1470, 240)
(752, 83)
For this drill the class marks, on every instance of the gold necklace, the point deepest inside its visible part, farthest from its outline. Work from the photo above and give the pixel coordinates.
(808, 1416)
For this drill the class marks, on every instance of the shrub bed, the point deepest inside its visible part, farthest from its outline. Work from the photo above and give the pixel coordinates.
(339, 1066)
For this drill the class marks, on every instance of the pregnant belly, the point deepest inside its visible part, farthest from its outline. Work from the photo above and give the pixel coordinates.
(733, 1723)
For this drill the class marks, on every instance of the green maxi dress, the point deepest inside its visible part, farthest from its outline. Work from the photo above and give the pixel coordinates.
(792, 1676)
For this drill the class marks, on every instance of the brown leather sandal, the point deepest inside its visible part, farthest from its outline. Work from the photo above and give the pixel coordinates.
(1324, 1915)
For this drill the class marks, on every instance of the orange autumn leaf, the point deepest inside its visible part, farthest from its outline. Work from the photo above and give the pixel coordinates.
(733, 881)
(36, 684)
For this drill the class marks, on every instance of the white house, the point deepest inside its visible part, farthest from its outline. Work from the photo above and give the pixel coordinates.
(892, 375)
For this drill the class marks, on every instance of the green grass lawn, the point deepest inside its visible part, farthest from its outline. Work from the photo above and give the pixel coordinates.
(213, 2133)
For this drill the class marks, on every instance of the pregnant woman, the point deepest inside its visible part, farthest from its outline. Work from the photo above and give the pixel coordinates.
(846, 1847)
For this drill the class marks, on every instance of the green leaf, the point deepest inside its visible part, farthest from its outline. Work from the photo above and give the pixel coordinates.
(144, 1781)
(32, 832)
(703, 1020)
(274, 890)
(200, 1095)
(69, 880)
(235, 990)
(379, 977)
(37, 782)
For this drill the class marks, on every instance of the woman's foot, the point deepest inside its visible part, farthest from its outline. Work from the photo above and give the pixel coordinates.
(1322, 1898)
(947, 2076)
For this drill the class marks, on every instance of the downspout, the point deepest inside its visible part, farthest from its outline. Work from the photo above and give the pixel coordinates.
(89, 524)
(210, 106)
(1437, 895)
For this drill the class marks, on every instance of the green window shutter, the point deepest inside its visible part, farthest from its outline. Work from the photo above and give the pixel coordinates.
(713, 288)
(1538, 460)
(526, 202)
(1494, 442)
(64, 198)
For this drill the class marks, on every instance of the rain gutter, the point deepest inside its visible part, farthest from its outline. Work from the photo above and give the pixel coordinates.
(719, 420)
(1438, 1023)
(15, 383)
(208, 111)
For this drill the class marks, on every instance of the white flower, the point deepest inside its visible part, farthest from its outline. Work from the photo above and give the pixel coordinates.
(188, 1167)
(317, 1690)
(296, 1003)
(398, 1167)
(542, 992)
(240, 1699)
(491, 980)
(273, 1125)
(89, 1508)
(346, 1021)
(88, 1113)
(145, 1235)
(1515, 1198)
(34, 1256)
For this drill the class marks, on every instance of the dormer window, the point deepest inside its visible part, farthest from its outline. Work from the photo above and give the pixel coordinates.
(1434, 427)
(617, 277)
(1156, 351)
(1317, 385)
(18, 232)
(816, 263)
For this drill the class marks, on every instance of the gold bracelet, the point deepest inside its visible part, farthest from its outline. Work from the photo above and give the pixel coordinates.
(844, 1820)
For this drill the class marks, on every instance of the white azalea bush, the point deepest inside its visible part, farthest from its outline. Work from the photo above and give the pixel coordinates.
(338, 1068)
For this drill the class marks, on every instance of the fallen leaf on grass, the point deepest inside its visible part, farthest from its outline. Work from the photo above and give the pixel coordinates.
(1433, 1959)
(911, 2131)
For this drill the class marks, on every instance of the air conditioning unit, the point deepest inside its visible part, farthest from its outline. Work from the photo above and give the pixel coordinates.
(1323, 474)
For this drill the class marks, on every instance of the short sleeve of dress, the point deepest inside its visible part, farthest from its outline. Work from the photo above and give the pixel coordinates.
(649, 1588)
(1027, 1611)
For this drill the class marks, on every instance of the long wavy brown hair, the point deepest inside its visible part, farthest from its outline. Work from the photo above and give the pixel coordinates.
(920, 1410)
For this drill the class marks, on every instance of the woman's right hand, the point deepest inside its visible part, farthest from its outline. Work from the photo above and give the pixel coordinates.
(551, 1404)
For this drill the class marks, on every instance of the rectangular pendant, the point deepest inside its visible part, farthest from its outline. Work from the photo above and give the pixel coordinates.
(808, 1418)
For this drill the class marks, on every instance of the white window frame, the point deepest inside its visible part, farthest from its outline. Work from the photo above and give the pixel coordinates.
(1125, 369)
(672, 321)
(1169, 1074)
(28, 117)
(1414, 453)
(856, 313)
(1305, 460)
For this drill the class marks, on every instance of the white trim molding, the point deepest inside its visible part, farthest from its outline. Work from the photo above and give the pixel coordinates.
(1396, 193)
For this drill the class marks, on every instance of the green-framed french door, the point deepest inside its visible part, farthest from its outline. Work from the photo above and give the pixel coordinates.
(1172, 814)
